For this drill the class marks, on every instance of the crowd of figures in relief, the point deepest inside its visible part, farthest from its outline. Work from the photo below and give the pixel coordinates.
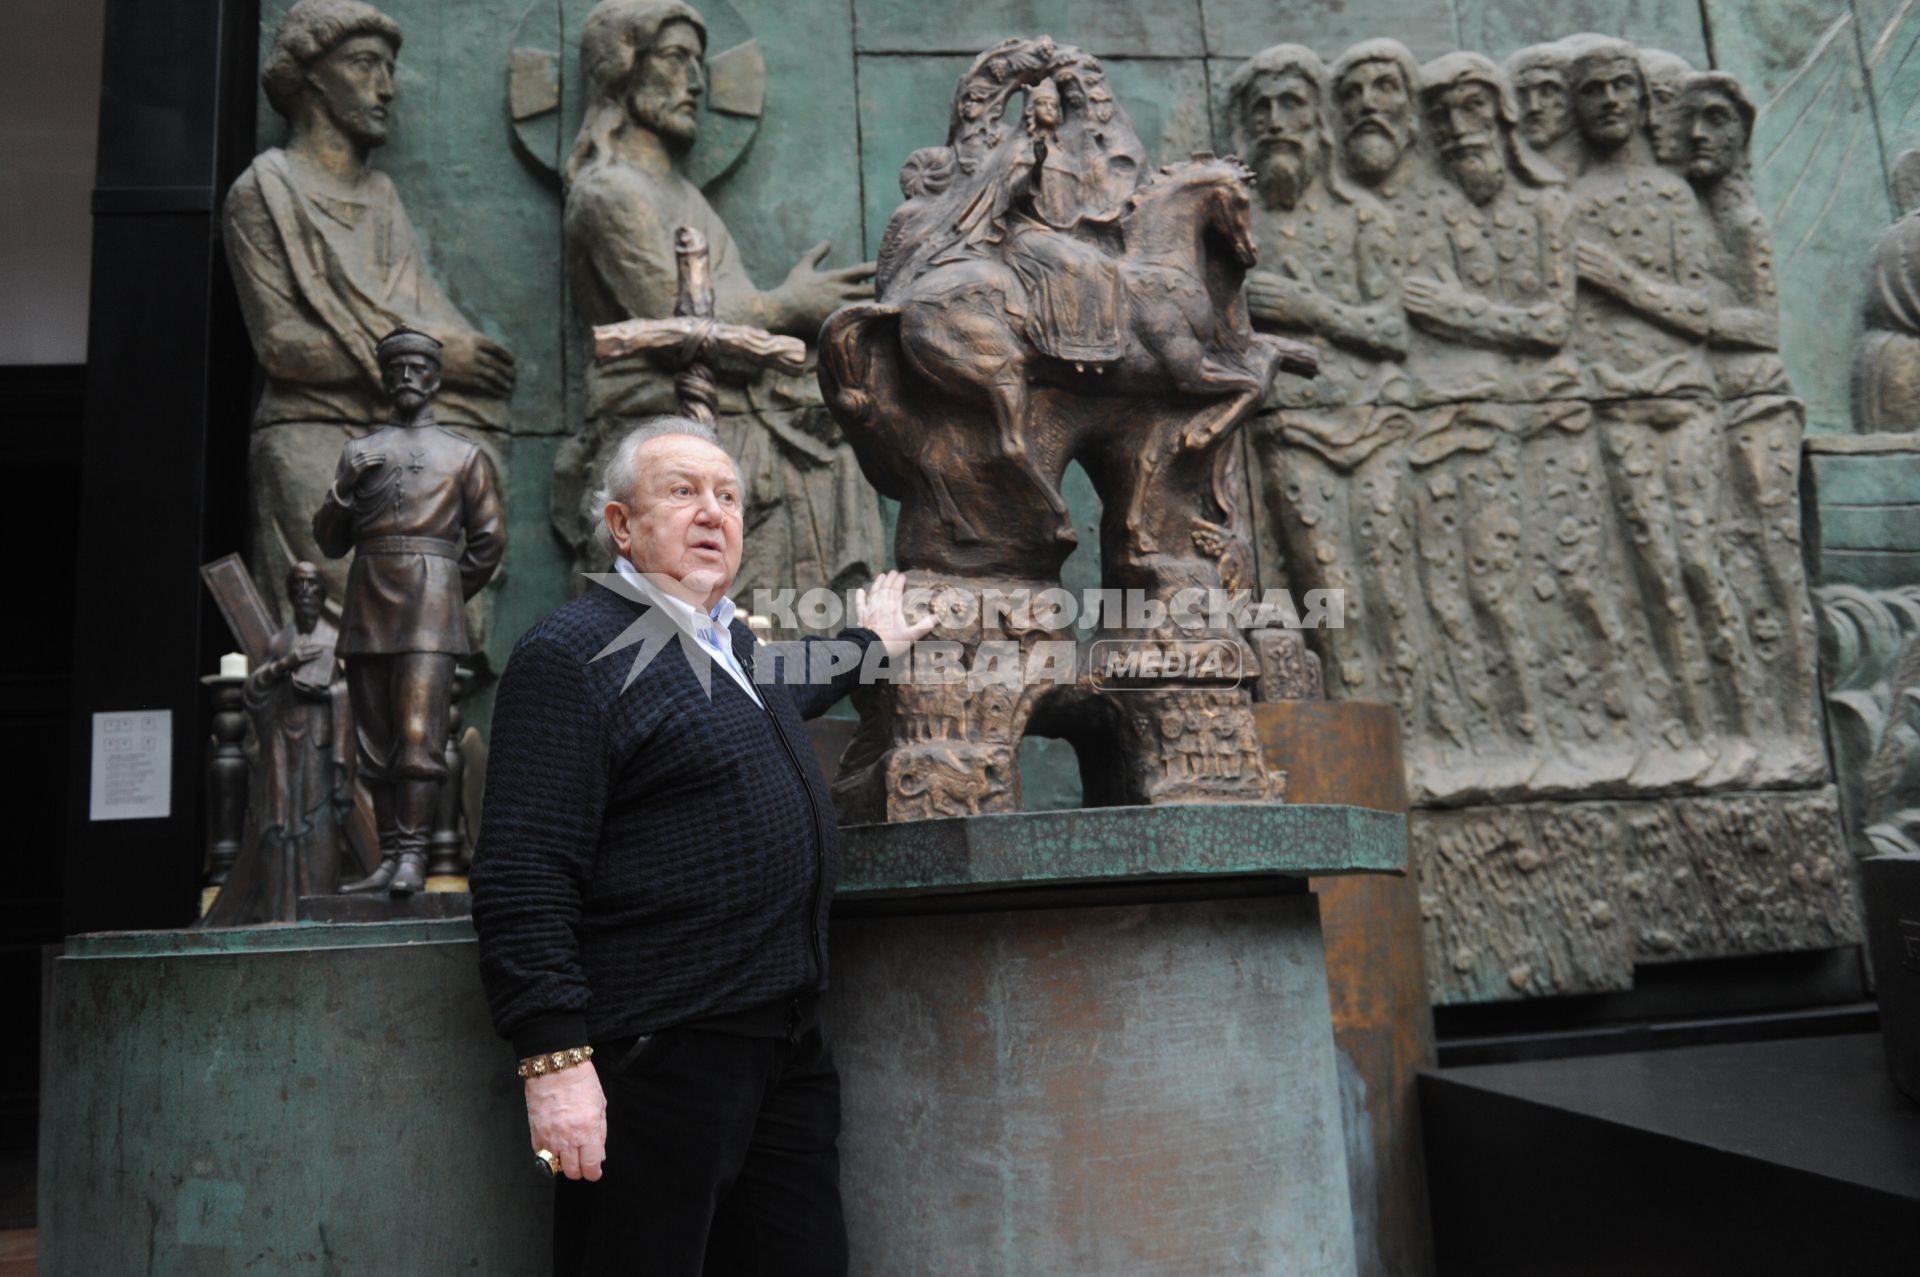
(1551, 455)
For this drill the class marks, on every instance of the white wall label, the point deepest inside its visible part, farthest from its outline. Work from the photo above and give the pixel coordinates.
(132, 765)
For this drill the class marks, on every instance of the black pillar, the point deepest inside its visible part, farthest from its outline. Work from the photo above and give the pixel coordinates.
(164, 461)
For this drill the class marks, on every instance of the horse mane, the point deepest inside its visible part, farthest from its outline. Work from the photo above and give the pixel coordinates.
(1231, 166)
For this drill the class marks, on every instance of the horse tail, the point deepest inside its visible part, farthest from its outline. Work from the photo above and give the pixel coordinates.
(846, 362)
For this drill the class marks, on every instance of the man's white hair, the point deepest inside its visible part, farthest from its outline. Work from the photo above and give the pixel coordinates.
(620, 479)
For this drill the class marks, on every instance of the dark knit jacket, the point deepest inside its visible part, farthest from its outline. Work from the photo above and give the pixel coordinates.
(651, 856)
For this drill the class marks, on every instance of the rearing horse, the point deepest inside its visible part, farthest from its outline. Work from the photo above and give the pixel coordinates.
(1188, 244)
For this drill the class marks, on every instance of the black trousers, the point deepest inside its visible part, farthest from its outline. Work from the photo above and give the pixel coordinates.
(721, 1161)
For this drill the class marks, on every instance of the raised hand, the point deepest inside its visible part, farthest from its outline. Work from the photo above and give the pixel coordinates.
(809, 294)
(356, 462)
(476, 362)
(880, 610)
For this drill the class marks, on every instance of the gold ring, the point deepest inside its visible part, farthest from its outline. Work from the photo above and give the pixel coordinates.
(545, 1162)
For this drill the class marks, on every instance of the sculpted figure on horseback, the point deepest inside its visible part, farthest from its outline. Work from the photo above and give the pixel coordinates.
(1047, 299)
(1035, 269)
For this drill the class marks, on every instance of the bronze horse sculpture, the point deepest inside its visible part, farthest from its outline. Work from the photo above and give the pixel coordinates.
(1187, 244)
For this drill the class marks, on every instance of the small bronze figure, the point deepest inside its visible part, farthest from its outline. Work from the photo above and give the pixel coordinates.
(302, 789)
(420, 510)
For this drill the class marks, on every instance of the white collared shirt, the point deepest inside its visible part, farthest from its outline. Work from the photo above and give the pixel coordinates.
(710, 629)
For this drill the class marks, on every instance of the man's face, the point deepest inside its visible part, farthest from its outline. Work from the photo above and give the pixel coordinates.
(1465, 119)
(1716, 136)
(1546, 113)
(1667, 120)
(1376, 116)
(307, 594)
(667, 86)
(685, 520)
(353, 84)
(1280, 122)
(1609, 101)
(411, 380)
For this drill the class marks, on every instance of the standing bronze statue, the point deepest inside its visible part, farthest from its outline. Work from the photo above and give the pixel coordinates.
(419, 509)
(326, 262)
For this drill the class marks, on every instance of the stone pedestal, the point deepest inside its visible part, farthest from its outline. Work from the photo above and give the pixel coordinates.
(1088, 1041)
(1095, 1041)
(291, 1099)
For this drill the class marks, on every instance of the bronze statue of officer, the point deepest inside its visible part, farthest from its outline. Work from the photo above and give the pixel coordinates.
(419, 508)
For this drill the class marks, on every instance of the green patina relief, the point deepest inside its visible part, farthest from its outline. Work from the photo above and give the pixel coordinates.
(1497, 29)
(1818, 174)
(1239, 29)
(1102, 28)
(488, 226)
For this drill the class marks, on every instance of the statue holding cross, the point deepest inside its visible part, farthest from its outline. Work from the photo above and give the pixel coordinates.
(811, 519)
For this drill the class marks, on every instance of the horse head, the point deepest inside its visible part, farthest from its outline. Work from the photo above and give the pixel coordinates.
(1214, 192)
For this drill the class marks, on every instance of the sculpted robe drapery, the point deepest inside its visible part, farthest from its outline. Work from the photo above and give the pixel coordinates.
(314, 258)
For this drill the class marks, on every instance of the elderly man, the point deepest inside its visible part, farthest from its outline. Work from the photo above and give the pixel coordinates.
(1493, 298)
(1497, 271)
(651, 887)
(326, 264)
(813, 519)
(1330, 259)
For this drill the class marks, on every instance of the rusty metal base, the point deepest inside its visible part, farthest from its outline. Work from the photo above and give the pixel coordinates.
(1349, 752)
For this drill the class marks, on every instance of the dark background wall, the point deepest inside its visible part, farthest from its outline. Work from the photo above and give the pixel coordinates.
(49, 109)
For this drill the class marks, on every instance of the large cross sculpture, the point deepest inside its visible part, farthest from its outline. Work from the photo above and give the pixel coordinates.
(693, 339)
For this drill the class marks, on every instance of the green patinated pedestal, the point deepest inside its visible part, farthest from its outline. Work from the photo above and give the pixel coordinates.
(307, 1099)
(1095, 1041)
(1084, 1041)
